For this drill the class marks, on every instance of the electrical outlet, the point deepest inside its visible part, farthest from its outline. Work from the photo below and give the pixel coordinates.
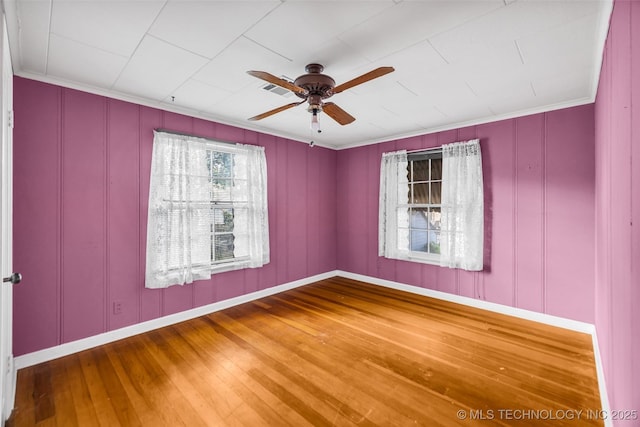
(117, 307)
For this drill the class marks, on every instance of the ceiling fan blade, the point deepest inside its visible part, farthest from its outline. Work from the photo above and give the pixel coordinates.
(374, 74)
(277, 81)
(337, 113)
(276, 110)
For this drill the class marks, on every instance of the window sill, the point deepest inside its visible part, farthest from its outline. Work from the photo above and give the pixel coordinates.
(435, 262)
(422, 259)
(238, 264)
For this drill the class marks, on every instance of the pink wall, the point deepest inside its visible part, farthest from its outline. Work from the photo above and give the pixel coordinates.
(617, 117)
(81, 182)
(539, 216)
(80, 214)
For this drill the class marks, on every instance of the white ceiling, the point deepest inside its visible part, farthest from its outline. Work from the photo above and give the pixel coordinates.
(457, 62)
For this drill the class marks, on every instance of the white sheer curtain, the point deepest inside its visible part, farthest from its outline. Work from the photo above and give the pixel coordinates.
(178, 226)
(251, 223)
(462, 223)
(181, 209)
(393, 218)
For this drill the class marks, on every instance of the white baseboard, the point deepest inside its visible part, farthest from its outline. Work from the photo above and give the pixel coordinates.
(547, 319)
(45, 355)
(66, 349)
(602, 386)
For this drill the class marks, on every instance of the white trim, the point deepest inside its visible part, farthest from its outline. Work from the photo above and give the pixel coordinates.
(601, 36)
(8, 373)
(66, 349)
(602, 386)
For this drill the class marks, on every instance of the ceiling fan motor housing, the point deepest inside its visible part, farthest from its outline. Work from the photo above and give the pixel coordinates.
(318, 86)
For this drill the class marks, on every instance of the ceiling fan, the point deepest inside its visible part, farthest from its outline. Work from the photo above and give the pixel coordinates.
(314, 87)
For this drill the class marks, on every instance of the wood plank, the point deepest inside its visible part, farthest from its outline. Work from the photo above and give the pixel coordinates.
(336, 352)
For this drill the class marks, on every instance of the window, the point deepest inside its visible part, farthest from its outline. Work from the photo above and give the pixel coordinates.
(424, 187)
(207, 209)
(431, 206)
(220, 166)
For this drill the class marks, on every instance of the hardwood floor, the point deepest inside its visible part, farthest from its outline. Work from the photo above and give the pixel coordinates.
(336, 352)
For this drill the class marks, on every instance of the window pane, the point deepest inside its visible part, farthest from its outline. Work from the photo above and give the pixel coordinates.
(221, 190)
(420, 170)
(220, 164)
(436, 190)
(419, 240)
(436, 169)
(420, 193)
(223, 247)
(434, 219)
(419, 218)
(223, 220)
(434, 242)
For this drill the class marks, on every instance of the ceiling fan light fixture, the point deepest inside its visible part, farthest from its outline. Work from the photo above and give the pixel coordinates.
(315, 123)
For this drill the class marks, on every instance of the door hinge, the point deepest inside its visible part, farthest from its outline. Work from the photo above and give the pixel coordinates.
(10, 119)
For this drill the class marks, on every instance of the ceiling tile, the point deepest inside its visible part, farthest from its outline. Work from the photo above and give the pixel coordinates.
(517, 20)
(197, 95)
(34, 35)
(229, 69)
(340, 60)
(461, 103)
(519, 96)
(415, 61)
(250, 102)
(388, 120)
(297, 28)
(206, 28)
(553, 89)
(465, 47)
(77, 62)
(569, 44)
(157, 69)
(114, 26)
(491, 70)
(411, 22)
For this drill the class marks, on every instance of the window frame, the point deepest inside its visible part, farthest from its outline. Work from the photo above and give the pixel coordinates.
(182, 204)
(220, 206)
(222, 264)
(427, 154)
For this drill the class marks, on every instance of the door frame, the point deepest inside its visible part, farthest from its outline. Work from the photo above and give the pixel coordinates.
(7, 372)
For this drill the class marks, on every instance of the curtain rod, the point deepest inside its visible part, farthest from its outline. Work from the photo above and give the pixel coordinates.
(421, 150)
(425, 150)
(173, 132)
